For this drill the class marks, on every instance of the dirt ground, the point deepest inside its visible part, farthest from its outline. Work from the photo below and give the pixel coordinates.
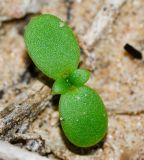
(29, 117)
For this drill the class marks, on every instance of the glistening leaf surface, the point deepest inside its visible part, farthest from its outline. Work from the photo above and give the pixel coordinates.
(52, 46)
(83, 116)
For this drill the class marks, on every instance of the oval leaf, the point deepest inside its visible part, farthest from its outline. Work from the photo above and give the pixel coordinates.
(60, 86)
(79, 77)
(52, 46)
(83, 116)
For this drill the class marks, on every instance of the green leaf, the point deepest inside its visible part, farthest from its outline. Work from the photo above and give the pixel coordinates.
(76, 79)
(52, 46)
(79, 77)
(54, 49)
(61, 86)
(83, 116)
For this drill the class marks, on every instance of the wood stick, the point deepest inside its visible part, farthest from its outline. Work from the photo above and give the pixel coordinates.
(104, 17)
(10, 152)
(24, 110)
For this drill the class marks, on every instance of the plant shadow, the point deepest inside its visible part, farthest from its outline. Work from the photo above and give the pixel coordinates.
(33, 72)
(80, 150)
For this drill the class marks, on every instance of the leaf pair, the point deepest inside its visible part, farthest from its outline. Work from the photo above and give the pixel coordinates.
(55, 51)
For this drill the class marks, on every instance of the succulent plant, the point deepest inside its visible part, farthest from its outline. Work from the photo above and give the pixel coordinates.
(54, 49)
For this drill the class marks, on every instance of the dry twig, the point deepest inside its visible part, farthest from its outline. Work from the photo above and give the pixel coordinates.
(10, 152)
(17, 116)
(104, 17)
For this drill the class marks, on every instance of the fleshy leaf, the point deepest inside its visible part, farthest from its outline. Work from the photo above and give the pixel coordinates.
(83, 116)
(60, 86)
(52, 46)
(79, 77)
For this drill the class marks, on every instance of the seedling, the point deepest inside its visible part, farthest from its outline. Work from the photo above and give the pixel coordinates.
(55, 51)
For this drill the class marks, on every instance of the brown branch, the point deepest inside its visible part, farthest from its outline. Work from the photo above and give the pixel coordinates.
(17, 116)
